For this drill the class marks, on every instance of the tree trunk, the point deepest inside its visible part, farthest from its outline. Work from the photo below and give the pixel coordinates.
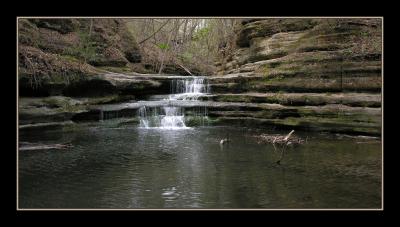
(164, 53)
(184, 30)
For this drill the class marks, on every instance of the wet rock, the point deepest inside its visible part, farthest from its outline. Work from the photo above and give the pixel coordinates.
(276, 83)
(44, 126)
(302, 99)
(45, 110)
(332, 125)
(60, 108)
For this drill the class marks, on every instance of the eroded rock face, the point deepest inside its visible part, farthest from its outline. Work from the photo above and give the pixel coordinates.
(330, 70)
(105, 42)
(45, 74)
(303, 99)
(268, 27)
(318, 54)
(60, 56)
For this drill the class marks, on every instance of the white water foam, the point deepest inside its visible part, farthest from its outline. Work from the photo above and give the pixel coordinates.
(171, 117)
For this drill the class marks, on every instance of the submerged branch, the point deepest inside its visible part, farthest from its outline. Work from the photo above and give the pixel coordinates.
(280, 139)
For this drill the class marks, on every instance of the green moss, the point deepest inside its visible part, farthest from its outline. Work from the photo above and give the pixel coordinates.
(53, 102)
(70, 58)
(232, 98)
(67, 107)
(275, 64)
(270, 78)
(291, 121)
(140, 86)
(266, 70)
(192, 121)
(63, 104)
(213, 120)
(86, 50)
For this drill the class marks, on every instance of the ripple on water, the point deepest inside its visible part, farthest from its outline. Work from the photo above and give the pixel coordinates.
(154, 168)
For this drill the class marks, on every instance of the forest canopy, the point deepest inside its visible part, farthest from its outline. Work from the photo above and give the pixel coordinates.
(191, 44)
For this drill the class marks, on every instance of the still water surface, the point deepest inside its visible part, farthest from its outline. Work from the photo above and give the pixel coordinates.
(129, 167)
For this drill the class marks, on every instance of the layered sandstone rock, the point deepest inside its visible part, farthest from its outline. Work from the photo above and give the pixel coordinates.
(330, 70)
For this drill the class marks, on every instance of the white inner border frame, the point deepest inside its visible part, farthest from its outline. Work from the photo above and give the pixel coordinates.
(194, 209)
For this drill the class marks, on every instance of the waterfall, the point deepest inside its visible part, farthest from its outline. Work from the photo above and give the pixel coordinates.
(189, 89)
(173, 117)
(144, 123)
(166, 117)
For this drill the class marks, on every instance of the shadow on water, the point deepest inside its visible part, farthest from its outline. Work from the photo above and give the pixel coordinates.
(131, 167)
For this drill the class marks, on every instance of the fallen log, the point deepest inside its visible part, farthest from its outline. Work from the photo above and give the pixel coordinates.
(32, 146)
(184, 68)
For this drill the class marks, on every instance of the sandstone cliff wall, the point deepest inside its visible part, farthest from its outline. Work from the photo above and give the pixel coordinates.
(321, 68)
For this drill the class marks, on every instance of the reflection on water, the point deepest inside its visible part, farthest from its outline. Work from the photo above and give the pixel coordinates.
(135, 168)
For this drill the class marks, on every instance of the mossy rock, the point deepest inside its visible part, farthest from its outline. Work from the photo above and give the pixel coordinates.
(192, 121)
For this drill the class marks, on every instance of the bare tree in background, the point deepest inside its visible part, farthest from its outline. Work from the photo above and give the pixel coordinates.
(189, 44)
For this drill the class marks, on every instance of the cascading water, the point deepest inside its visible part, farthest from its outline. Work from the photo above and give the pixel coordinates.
(170, 116)
(189, 89)
(162, 117)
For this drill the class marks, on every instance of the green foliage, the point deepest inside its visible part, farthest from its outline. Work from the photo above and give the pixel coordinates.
(201, 34)
(266, 70)
(85, 50)
(163, 46)
(364, 33)
(186, 56)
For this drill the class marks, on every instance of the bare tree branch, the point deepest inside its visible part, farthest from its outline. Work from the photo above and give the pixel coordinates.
(154, 32)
